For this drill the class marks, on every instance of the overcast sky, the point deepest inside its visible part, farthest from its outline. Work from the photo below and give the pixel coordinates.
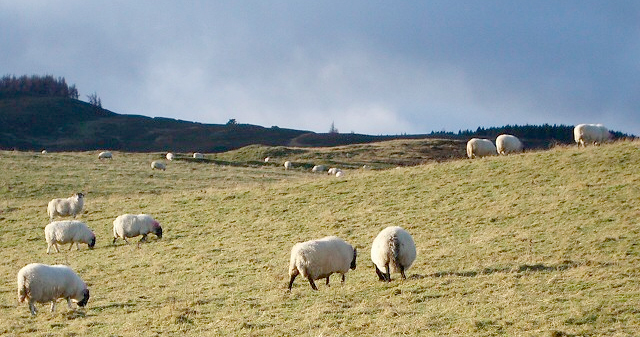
(371, 67)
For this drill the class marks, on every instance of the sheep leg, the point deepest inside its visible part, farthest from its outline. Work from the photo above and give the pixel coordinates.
(402, 273)
(293, 277)
(380, 274)
(388, 273)
(53, 306)
(32, 308)
(69, 303)
(114, 241)
(343, 278)
(55, 245)
(77, 246)
(71, 246)
(313, 284)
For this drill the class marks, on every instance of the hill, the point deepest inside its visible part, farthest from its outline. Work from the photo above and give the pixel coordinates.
(538, 244)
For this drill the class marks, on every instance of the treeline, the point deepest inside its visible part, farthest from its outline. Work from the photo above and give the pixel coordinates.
(36, 86)
(554, 133)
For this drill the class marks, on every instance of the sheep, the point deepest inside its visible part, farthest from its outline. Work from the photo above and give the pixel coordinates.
(333, 171)
(317, 259)
(595, 134)
(44, 152)
(392, 250)
(158, 165)
(287, 165)
(66, 206)
(339, 174)
(68, 231)
(131, 225)
(477, 147)
(170, 156)
(105, 155)
(41, 283)
(506, 144)
(266, 159)
(198, 155)
(318, 168)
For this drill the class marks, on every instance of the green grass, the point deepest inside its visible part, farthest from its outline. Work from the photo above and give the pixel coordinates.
(525, 245)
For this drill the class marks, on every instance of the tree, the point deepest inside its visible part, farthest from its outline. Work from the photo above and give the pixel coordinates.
(333, 129)
(95, 100)
(232, 121)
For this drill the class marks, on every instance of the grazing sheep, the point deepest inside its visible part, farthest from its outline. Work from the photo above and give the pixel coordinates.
(68, 231)
(198, 155)
(170, 156)
(66, 206)
(477, 147)
(44, 152)
(41, 283)
(158, 165)
(317, 259)
(595, 134)
(318, 168)
(105, 155)
(130, 225)
(287, 165)
(392, 250)
(339, 174)
(506, 144)
(266, 160)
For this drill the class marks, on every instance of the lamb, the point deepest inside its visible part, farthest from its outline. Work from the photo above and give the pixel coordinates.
(317, 259)
(130, 225)
(170, 156)
(595, 134)
(158, 165)
(477, 147)
(287, 165)
(105, 155)
(392, 250)
(66, 206)
(506, 144)
(198, 155)
(41, 283)
(318, 168)
(68, 231)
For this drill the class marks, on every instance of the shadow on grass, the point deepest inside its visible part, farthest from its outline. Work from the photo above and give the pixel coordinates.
(524, 268)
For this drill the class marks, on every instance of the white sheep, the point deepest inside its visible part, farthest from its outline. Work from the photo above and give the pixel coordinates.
(131, 225)
(318, 168)
(595, 134)
(506, 144)
(287, 165)
(170, 156)
(392, 250)
(158, 165)
(266, 159)
(317, 259)
(68, 231)
(41, 283)
(66, 206)
(477, 147)
(44, 152)
(105, 155)
(333, 171)
(339, 174)
(198, 155)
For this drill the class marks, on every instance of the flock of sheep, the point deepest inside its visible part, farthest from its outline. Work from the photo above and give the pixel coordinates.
(393, 249)
(583, 134)
(41, 283)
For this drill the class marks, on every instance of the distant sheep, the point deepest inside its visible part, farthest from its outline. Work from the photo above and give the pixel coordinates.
(317, 259)
(477, 147)
(318, 168)
(333, 171)
(105, 155)
(339, 174)
(68, 231)
(287, 165)
(392, 250)
(595, 134)
(506, 144)
(130, 225)
(158, 165)
(44, 152)
(170, 156)
(66, 206)
(41, 283)
(266, 160)
(198, 155)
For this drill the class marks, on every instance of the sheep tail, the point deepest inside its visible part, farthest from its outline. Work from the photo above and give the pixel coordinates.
(22, 290)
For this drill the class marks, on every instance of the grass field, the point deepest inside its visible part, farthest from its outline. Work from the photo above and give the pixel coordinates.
(538, 244)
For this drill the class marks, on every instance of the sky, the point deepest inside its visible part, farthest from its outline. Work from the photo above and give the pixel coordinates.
(368, 67)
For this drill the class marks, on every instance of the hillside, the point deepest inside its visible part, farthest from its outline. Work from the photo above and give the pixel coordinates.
(538, 244)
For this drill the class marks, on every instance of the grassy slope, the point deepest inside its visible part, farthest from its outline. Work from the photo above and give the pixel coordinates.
(519, 245)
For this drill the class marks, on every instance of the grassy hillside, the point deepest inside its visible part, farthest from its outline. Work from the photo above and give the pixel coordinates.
(542, 243)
